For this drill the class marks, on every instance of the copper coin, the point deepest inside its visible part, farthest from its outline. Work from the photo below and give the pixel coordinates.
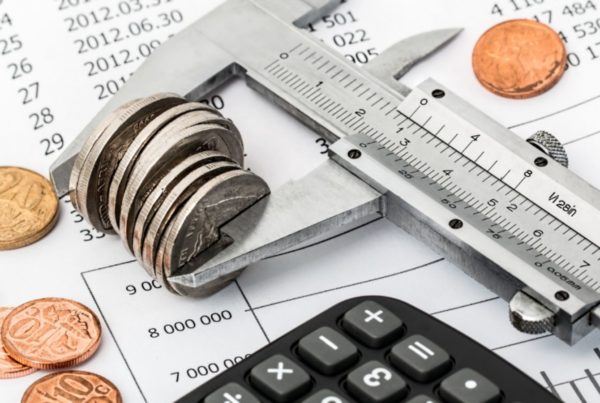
(51, 333)
(9, 368)
(28, 207)
(519, 59)
(72, 386)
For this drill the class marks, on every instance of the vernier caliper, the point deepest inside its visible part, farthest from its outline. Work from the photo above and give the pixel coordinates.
(509, 214)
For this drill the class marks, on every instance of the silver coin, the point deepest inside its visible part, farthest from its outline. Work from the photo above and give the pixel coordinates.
(182, 191)
(152, 201)
(156, 159)
(168, 148)
(86, 147)
(133, 181)
(104, 156)
(150, 242)
(207, 289)
(117, 115)
(196, 226)
(119, 180)
(209, 283)
(159, 273)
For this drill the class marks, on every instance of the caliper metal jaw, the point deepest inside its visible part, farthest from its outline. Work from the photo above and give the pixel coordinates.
(244, 38)
(349, 187)
(209, 53)
(193, 64)
(328, 198)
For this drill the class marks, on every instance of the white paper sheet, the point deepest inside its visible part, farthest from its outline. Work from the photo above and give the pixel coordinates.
(64, 46)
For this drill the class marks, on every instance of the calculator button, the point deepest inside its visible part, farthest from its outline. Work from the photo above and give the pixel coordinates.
(423, 399)
(231, 393)
(373, 382)
(325, 396)
(280, 379)
(420, 358)
(372, 324)
(327, 351)
(468, 386)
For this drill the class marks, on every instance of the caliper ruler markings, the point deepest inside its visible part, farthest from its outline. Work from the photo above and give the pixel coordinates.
(334, 74)
(506, 212)
(525, 219)
(523, 232)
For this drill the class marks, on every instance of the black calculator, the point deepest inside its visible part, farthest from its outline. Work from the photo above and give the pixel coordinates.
(373, 350)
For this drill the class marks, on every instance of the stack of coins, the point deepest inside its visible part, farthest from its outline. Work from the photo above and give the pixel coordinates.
(53, 333)
(164, 174)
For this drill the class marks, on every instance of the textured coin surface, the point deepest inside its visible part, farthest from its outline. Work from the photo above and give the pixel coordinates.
(104, 155)
(168, 148)
(151, 202)
(28, 207)
(10, 368)
(519, 59)
(72, 386)
(51, 333)
(161, 275)
(86, 147)
(174, 200)
(197, 224)
(119, 180)
(175, 142)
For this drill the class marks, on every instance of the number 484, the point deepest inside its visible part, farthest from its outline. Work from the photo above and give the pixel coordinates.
(574, 9)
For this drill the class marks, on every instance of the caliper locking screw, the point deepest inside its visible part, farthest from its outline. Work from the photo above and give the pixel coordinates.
(551, 146)
(529, 316)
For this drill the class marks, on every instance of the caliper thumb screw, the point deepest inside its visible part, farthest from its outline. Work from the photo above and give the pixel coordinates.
(551, 146)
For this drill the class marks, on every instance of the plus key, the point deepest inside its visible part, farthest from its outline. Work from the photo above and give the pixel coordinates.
(372, 324)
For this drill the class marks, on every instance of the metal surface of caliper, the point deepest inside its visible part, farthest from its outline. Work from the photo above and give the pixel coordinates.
(507, 213)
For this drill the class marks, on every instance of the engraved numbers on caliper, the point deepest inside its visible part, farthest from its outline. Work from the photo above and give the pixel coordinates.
(470, 185)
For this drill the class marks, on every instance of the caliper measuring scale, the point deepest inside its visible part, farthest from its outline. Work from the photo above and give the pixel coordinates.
(504, 211)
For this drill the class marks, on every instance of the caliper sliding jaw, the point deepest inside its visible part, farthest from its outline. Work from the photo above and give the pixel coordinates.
(352, 185)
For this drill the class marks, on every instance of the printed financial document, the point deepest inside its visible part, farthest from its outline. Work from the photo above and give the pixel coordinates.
(60, 60)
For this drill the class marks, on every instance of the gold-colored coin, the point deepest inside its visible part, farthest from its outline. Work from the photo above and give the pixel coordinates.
(28, 207)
